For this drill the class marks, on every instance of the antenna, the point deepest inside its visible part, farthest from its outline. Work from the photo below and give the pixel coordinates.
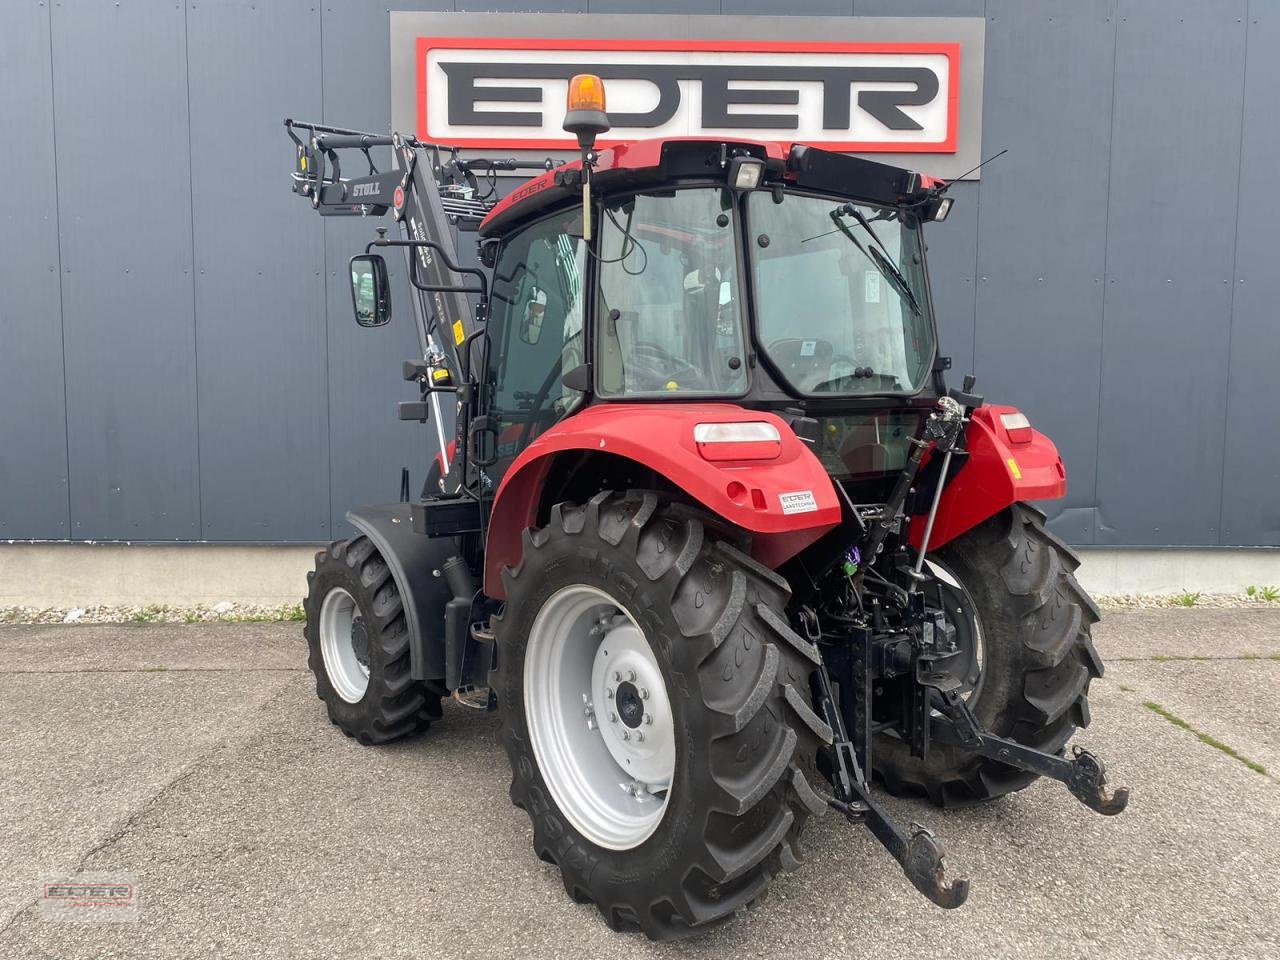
(947, 186)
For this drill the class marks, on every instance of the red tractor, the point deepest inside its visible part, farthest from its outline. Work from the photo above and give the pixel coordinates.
(705, 523)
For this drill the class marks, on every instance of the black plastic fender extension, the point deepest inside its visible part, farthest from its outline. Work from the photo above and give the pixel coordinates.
(416, 563)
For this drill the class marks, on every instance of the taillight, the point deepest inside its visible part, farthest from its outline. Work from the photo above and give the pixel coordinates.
(1016, 427)
(750, 440)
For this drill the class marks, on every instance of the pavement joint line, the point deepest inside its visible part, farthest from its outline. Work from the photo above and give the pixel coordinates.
(131, 819)
(1185, 658)
(1208, 739)
(162, 669)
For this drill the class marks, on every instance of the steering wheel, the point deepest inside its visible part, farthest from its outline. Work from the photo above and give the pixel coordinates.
(655, 367)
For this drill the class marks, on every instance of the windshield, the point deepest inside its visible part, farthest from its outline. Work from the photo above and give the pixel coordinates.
(840, 295)
(669, 321)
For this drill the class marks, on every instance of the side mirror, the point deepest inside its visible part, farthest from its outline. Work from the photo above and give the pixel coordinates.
(370, 290)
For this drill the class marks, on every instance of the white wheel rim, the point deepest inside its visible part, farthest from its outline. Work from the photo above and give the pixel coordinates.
(339, 622)
(599, 717)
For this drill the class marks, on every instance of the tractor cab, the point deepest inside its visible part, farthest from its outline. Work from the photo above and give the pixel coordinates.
(776, 280)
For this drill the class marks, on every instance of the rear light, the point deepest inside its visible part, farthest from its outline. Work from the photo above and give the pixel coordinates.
(1016, 427)
(750, 440)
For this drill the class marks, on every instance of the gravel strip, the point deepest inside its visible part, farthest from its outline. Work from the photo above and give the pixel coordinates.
(224, 612)
(229, 612)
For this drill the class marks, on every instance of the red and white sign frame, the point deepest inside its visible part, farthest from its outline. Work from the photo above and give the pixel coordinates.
(949, 50)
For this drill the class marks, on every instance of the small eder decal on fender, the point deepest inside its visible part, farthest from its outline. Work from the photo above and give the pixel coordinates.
(802, 501)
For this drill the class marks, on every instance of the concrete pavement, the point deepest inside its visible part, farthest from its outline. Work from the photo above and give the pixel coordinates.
(198, 760)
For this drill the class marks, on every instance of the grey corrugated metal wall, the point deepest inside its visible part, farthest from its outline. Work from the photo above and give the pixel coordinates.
(177, 359)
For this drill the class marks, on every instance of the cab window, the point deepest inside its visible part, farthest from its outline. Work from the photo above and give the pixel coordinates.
(668, 319)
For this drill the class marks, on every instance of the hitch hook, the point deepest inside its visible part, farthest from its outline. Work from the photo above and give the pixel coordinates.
(922, 863)
(1088, 784)
(920, 854)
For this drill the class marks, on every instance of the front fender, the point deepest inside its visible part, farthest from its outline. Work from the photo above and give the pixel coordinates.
(786, 503)
(998, 474)
(411, 557)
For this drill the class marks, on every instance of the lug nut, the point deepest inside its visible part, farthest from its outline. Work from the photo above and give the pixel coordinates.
(626, 734)
(613, 717)
(608, 692)
(617, 677)
(631, 676)
(640, 735)
(644, 694)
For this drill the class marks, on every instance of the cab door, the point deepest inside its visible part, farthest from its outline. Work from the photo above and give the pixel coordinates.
(536, 329)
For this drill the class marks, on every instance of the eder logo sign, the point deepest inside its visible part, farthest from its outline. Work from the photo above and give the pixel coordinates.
(891, 88)
(866, 97)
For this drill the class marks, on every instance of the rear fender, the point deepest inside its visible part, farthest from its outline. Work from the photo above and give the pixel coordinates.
(748, 494)
(997, 475)
(413, 560)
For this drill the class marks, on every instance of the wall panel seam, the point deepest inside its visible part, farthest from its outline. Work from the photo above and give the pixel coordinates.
(1106, 253)
(57, 223)
(977, 217)
(329, 525)
(1233, 281)
(195, 300)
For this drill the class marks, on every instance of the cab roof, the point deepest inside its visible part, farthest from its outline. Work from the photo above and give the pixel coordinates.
(638, 164)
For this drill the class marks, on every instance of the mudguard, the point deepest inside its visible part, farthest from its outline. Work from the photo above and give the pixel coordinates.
(424, 593)
(786, 502)
(998, 474)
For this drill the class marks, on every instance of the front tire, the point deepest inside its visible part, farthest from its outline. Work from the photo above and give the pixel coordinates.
(358, 643)
(1038, 658)
(735, 699)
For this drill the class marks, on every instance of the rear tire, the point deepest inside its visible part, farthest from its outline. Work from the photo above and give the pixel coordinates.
(1039, 659)
(358, 643)
(737, 687)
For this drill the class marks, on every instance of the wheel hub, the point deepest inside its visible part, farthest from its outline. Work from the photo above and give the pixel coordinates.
(630, 706)
(360, 642)
(637, 725)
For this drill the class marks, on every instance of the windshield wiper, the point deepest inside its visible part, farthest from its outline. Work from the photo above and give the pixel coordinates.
(883, 263)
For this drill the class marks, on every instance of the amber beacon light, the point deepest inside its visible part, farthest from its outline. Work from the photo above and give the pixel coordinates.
(585, 115)
(585, 118)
